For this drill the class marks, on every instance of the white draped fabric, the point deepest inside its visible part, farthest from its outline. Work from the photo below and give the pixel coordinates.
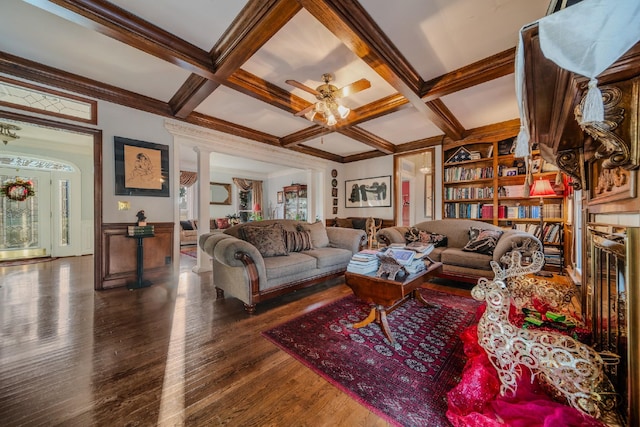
(585, 39)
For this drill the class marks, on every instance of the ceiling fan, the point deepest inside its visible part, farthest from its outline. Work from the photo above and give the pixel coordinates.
(328, 96)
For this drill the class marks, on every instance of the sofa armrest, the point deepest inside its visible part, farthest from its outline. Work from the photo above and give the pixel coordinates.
(519, 240)
(346, 238)
(225, 249)
(391, 235)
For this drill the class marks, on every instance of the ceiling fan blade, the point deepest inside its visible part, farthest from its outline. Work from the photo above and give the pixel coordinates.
(354, 87)
(306, 110)
(303, 87)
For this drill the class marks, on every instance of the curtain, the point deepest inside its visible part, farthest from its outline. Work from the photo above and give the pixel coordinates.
(187, 179)
(254, 185)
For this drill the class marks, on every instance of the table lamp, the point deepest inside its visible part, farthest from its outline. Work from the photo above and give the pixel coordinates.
(542, 188)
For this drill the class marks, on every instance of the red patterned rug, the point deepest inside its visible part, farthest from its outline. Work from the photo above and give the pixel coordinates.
(191, 251)
(406, 386)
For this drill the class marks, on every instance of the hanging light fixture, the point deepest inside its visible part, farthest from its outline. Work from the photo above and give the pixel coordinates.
(7, 132)
(425, 169)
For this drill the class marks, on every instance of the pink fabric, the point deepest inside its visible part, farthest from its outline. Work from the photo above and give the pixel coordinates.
(476, 402)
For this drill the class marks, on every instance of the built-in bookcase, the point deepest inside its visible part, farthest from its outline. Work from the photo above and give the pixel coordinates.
(486, 182)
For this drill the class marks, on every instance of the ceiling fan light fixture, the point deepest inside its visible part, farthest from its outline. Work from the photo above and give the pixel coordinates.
(343, 111)
(310, 115)
(331, 120)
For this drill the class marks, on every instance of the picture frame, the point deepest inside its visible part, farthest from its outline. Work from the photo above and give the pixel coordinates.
(334, 192)
(536, 165)
(368, 192)
(335, 202)
(141, 168)
(280, 197)
(335, 210)
(219, 193)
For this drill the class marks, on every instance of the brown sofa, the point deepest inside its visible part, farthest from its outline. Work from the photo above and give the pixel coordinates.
(458, 264)
(255, 271)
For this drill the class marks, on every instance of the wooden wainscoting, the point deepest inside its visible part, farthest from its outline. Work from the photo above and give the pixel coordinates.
(119, 260)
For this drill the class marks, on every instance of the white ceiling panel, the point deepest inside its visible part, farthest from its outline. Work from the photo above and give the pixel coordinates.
(338, 144)
(310, 53)
(208, 19)
(439, 36)
(235, 107)
(488, 103)
(402, 126)
(85, 52)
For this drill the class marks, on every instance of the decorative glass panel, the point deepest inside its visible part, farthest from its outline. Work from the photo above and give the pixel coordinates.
(19, 219)
(64, 212)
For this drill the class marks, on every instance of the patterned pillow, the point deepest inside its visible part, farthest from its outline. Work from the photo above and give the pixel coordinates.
(434, 238)
(269, 240)
(297, 241)
(484, 241)
(222, 223)
(412, 235)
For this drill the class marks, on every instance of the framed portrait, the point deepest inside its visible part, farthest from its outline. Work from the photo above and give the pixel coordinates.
(335, 202)
(142, 168)
(280, 197)
(334, 192)
(335, 210)
(368, 192)
(536, 165)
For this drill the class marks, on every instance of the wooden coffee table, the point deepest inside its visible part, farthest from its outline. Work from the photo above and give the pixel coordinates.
(387, 295)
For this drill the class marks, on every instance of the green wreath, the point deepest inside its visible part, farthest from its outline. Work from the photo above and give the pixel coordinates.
(17, 190)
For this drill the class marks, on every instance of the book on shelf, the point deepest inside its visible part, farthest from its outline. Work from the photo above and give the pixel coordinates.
(140, 230)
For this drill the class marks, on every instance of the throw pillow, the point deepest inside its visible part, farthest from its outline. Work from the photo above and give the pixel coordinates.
(297, 241)
(319, 237)
(359, 223)
(269, 240)
(412, 235)
(344, 222)
(186, 225)
(436, 239)
(484, 242)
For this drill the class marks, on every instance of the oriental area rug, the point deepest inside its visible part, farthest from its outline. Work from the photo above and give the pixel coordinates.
(191, 251)
(407, 386)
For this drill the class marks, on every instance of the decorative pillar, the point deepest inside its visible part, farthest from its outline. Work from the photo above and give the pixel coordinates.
(203, 262)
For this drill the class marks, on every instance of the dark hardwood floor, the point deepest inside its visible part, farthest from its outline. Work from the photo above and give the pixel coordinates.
(170, 354)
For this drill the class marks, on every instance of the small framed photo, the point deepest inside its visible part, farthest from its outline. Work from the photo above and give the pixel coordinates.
(335, 202)
(335, 210)
(334, 192)
(280, 197)
(510, 172)
(536, 165)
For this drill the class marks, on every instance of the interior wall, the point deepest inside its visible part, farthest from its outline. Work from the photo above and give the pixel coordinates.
(380, 166)
(116, 120)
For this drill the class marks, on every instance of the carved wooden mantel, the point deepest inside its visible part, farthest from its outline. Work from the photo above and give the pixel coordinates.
(554, 99)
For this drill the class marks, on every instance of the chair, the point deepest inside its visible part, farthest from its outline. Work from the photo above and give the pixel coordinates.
(373, 225)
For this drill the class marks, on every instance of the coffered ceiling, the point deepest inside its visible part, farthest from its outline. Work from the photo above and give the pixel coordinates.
(438, 69)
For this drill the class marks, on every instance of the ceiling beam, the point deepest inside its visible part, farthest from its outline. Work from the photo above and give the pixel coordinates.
(493, 67)
(348, 21)
(304, 135)
(232, 128)
(258, 21)
(363, 156)
(36, 72)
(117, 23)
(317, 153)
(367, 138)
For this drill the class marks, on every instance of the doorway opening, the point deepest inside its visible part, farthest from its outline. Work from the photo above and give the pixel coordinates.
(415, 187)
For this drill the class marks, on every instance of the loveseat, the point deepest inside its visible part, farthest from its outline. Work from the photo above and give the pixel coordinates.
(450, 236)
(188, 232)
(259, 260)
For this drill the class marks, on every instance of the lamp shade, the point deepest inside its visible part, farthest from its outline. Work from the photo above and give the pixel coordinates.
(257, 207)
(541, 187)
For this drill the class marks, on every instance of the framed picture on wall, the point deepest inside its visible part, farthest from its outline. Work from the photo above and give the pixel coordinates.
(368, 192)
(141, 168)
(280, 197)
(334, 192)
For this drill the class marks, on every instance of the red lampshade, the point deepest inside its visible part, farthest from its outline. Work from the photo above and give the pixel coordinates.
(541, 187)
(257, 207)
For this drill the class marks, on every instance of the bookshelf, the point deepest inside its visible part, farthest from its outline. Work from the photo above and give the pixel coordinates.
(484, 181)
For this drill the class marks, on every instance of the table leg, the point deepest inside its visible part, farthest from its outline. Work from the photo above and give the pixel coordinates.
(384, 324)
(417, 295)
(370, 318)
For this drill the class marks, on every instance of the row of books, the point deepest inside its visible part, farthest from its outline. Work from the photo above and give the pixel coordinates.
(467, 174)
(551, 232)
(464, 210)
(140, 230)
(462, 193)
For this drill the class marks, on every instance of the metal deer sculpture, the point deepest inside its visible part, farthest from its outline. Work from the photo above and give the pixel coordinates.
(572, 368)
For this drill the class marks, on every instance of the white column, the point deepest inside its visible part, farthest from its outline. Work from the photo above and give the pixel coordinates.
(203, 262)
